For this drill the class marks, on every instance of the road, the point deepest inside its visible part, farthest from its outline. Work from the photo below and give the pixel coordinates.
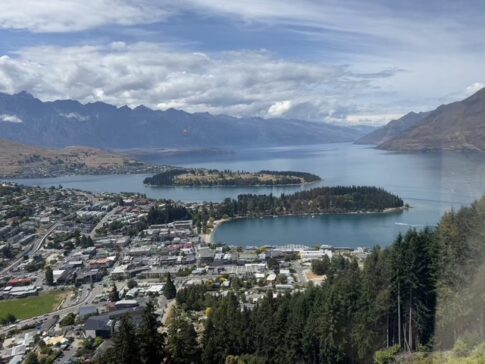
(101, 222)
(33, 249)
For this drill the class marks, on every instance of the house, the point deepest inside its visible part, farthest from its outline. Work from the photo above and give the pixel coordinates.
(126, 304)
(86, 311)
(104, 325)
(205, 255)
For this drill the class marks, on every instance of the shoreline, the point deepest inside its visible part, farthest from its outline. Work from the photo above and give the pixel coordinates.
(234, 186)
(209, 238)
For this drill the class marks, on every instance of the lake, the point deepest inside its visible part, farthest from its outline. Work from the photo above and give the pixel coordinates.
(431, 183)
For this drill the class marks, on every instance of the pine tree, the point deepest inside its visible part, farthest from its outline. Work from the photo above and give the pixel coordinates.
(49, 276)
(182, 341)
(151, 341)
(125, 344)
(169, 290)
(114, 295)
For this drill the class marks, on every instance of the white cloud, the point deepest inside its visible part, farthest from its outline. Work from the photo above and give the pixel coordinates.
(75, 116)
(474, 87)
(372, 119)
(10, 118)
(237, 83)
(76, 15)
(279, 108)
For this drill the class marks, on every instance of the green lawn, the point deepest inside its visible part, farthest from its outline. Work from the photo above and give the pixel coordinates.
(24, 308)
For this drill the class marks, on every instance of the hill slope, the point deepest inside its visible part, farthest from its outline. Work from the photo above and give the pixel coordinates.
(26, 119)
(20, 160)
(456, 126)
(392, 129)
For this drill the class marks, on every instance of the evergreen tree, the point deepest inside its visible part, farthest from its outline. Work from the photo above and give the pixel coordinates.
(169, 290)
(151, 341)
(182, 341)
(125, 343)
(49, 276)
(114, 295)
(31, 358)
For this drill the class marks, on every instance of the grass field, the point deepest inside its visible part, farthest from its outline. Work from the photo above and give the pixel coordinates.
(24, 308)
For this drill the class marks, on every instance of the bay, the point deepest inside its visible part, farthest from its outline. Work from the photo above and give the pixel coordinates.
(431, 183)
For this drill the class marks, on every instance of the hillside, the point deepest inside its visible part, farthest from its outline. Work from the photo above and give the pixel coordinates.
(20, 160)
(392, 129)
(28, 120)
(456, 126)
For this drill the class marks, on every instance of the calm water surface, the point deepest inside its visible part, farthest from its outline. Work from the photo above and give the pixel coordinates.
(430, 182)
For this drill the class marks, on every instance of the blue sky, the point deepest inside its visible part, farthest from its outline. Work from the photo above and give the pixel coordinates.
(342, 61)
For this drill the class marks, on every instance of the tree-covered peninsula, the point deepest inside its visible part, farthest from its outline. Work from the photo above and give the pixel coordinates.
(214, 177)
(338, 199)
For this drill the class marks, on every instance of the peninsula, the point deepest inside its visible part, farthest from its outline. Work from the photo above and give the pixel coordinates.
(214, 177)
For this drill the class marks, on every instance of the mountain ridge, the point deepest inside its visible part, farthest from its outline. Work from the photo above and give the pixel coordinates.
(458, 126)
(26, 119)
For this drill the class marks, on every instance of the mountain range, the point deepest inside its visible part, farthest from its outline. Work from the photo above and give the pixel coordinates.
(456, 126)
(62, 123)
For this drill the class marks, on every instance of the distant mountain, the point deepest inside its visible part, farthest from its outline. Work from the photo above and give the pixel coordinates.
(456, 126)
(26, 119)
(392, 129)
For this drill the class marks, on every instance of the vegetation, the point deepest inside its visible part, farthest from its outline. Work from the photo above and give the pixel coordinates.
(421, 294)
(214, 177)
(167, 213)
(69, 319)
(169, 290)
(143, 344)
(31, 306)
(114, 295)
(49, 276)
(317, 200)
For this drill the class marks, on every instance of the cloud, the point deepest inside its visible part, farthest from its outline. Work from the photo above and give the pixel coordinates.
(54, 16)
(75, 116)
(246, 83)
(474, 87)
(10, 118)
(279, 108)
(372, 119)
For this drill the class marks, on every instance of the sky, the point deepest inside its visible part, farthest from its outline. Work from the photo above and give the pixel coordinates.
(339, 61)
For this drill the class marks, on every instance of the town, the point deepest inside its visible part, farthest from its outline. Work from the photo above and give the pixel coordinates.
(72, 263)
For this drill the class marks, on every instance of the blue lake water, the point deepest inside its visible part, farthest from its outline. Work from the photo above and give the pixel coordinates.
(431, 183)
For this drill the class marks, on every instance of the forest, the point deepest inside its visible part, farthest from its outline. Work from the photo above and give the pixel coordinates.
(421, 294)
(214, 177)
(339, 199)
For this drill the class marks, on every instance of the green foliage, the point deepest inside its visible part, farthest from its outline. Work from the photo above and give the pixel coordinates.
(213, 177)
(131, 283)
(182, 340)
(387, 356)
(8, 319)
(317, 200)
(125, 343)
(114, 295)
(69, 319)
(321, 266)
(151, 342)
(49, 276)
(167, 214)
(31, 358)
(169, 290)
(460, 348)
